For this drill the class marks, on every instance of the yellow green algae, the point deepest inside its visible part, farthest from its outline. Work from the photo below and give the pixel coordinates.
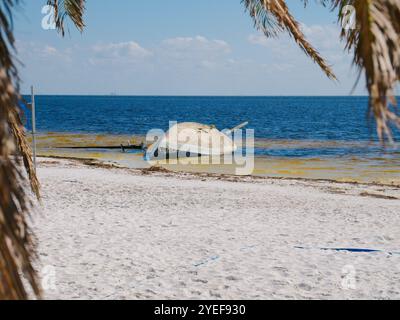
(344, 169)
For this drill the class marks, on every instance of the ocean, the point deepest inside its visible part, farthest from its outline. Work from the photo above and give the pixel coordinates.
(292, 126)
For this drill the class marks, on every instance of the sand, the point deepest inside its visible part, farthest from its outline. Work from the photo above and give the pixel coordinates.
(109, 233)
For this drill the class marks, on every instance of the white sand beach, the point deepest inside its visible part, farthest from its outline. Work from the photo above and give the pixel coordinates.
(111, 233)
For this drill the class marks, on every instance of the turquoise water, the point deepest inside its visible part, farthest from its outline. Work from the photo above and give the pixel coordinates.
(300, 126)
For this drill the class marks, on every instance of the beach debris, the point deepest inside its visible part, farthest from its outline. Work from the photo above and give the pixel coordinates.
(99, 164)
(155, 169)
(122, 147)
(211, 259)
(353, 250)
(378, 196)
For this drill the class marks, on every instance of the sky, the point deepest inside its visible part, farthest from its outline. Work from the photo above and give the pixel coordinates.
(178, 47)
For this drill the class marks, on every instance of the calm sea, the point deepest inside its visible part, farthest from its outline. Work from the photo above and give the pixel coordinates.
(305, 126)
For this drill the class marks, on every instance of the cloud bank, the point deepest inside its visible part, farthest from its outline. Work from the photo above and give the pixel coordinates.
(188, 65)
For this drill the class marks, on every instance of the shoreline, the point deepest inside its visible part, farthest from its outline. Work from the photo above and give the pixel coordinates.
(220, 176)
(383, 169)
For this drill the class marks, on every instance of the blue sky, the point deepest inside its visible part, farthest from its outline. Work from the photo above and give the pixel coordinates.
(178, 47)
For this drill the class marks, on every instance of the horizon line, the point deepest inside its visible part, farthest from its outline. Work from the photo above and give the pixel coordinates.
(188, 95)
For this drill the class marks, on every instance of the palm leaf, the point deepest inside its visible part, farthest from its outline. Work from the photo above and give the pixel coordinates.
(375, 44)
(73, 9)
(17, 246)
(273, 17)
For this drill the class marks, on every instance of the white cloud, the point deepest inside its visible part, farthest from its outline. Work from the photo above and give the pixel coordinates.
(130, 50)
(258, 39)
(191, 55)
(324, 37)
(49, 50)
(197, 46)
(40, 51)
(321, 36)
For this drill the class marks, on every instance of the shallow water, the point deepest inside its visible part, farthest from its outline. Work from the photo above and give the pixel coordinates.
(350, 168)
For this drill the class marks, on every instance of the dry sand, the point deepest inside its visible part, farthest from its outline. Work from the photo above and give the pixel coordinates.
(118, 233)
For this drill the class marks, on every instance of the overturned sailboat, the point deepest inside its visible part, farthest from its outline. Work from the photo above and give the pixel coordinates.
(191, 139)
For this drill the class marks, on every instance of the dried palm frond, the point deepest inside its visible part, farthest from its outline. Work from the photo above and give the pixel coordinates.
(73, 9)
(24, 150)
(17, 247)
(375, 41)
(273, 17)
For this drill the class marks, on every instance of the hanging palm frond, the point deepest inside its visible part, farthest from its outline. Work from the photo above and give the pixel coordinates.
(73, 9)
(273, 17)
(17, 245)
(17, 248)
(375, 42)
